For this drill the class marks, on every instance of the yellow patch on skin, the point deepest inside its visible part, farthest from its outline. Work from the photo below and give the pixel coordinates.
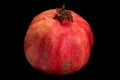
(35, 32)
(41, 27)
(49, 14)
(32, 55)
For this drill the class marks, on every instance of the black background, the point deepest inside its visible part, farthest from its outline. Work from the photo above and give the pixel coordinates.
(19, 14)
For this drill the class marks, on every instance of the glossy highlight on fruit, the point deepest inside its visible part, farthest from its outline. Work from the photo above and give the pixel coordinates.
(58, 41)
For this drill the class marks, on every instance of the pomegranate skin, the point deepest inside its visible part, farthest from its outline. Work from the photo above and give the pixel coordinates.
(55, 48)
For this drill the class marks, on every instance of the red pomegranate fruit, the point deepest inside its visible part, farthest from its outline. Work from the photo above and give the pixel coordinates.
(58, 41)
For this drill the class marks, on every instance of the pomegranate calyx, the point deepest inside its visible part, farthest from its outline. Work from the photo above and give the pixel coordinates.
(63, 14)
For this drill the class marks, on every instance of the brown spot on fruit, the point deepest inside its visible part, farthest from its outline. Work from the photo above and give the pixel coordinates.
(67, 66)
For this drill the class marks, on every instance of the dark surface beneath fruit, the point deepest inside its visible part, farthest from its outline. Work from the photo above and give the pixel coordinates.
(21, 13)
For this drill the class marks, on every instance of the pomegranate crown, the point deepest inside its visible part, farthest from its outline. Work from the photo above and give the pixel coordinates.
(63, 14)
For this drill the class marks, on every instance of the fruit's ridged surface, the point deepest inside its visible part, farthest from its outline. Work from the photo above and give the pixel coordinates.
(58, 49)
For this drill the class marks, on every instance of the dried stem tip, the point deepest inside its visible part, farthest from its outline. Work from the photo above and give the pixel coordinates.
(63, 14)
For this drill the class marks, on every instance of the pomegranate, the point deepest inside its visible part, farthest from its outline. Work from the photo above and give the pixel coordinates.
(58, 41)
